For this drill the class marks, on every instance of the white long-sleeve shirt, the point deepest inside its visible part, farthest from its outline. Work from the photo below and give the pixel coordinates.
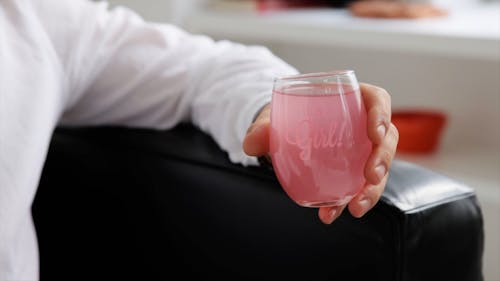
(76, 63)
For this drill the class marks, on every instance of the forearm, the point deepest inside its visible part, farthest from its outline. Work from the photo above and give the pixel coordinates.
(239, 86)
(128, 72)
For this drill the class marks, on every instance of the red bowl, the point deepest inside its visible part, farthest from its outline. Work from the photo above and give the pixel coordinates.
(419, 130)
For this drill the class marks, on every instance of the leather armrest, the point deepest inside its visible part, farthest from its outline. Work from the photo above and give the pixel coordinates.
(122, 202)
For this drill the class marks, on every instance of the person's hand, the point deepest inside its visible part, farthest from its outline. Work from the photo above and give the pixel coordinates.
(381, 132)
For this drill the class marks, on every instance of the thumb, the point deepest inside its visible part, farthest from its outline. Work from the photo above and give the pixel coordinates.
(256, 142)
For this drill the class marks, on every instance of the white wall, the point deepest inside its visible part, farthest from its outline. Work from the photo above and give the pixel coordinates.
(173, 11)
(467, 89)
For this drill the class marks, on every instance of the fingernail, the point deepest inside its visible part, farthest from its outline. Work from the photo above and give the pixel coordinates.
(252, 129)
(331, 216)
(381, 131)
(365, 203)
(380, 171)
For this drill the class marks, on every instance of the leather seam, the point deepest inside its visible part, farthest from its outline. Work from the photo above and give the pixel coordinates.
(436, 203)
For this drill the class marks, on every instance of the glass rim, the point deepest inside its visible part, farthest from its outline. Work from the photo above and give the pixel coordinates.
(333, 73)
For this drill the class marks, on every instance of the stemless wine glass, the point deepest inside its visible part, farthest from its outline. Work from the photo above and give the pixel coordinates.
(318, 141)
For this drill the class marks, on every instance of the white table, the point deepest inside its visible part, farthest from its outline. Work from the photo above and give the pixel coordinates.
(472, 30)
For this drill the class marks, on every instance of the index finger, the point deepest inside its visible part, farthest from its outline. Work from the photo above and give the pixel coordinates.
(378, 108)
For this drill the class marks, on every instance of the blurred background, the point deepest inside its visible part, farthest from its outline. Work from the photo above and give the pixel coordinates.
(448, 64)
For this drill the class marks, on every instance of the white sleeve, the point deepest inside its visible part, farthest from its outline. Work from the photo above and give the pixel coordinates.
(124, 71)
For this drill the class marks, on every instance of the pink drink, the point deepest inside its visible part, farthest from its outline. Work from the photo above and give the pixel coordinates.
(319, 143)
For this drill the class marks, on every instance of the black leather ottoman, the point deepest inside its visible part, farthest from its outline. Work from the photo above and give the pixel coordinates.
(116, 204)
